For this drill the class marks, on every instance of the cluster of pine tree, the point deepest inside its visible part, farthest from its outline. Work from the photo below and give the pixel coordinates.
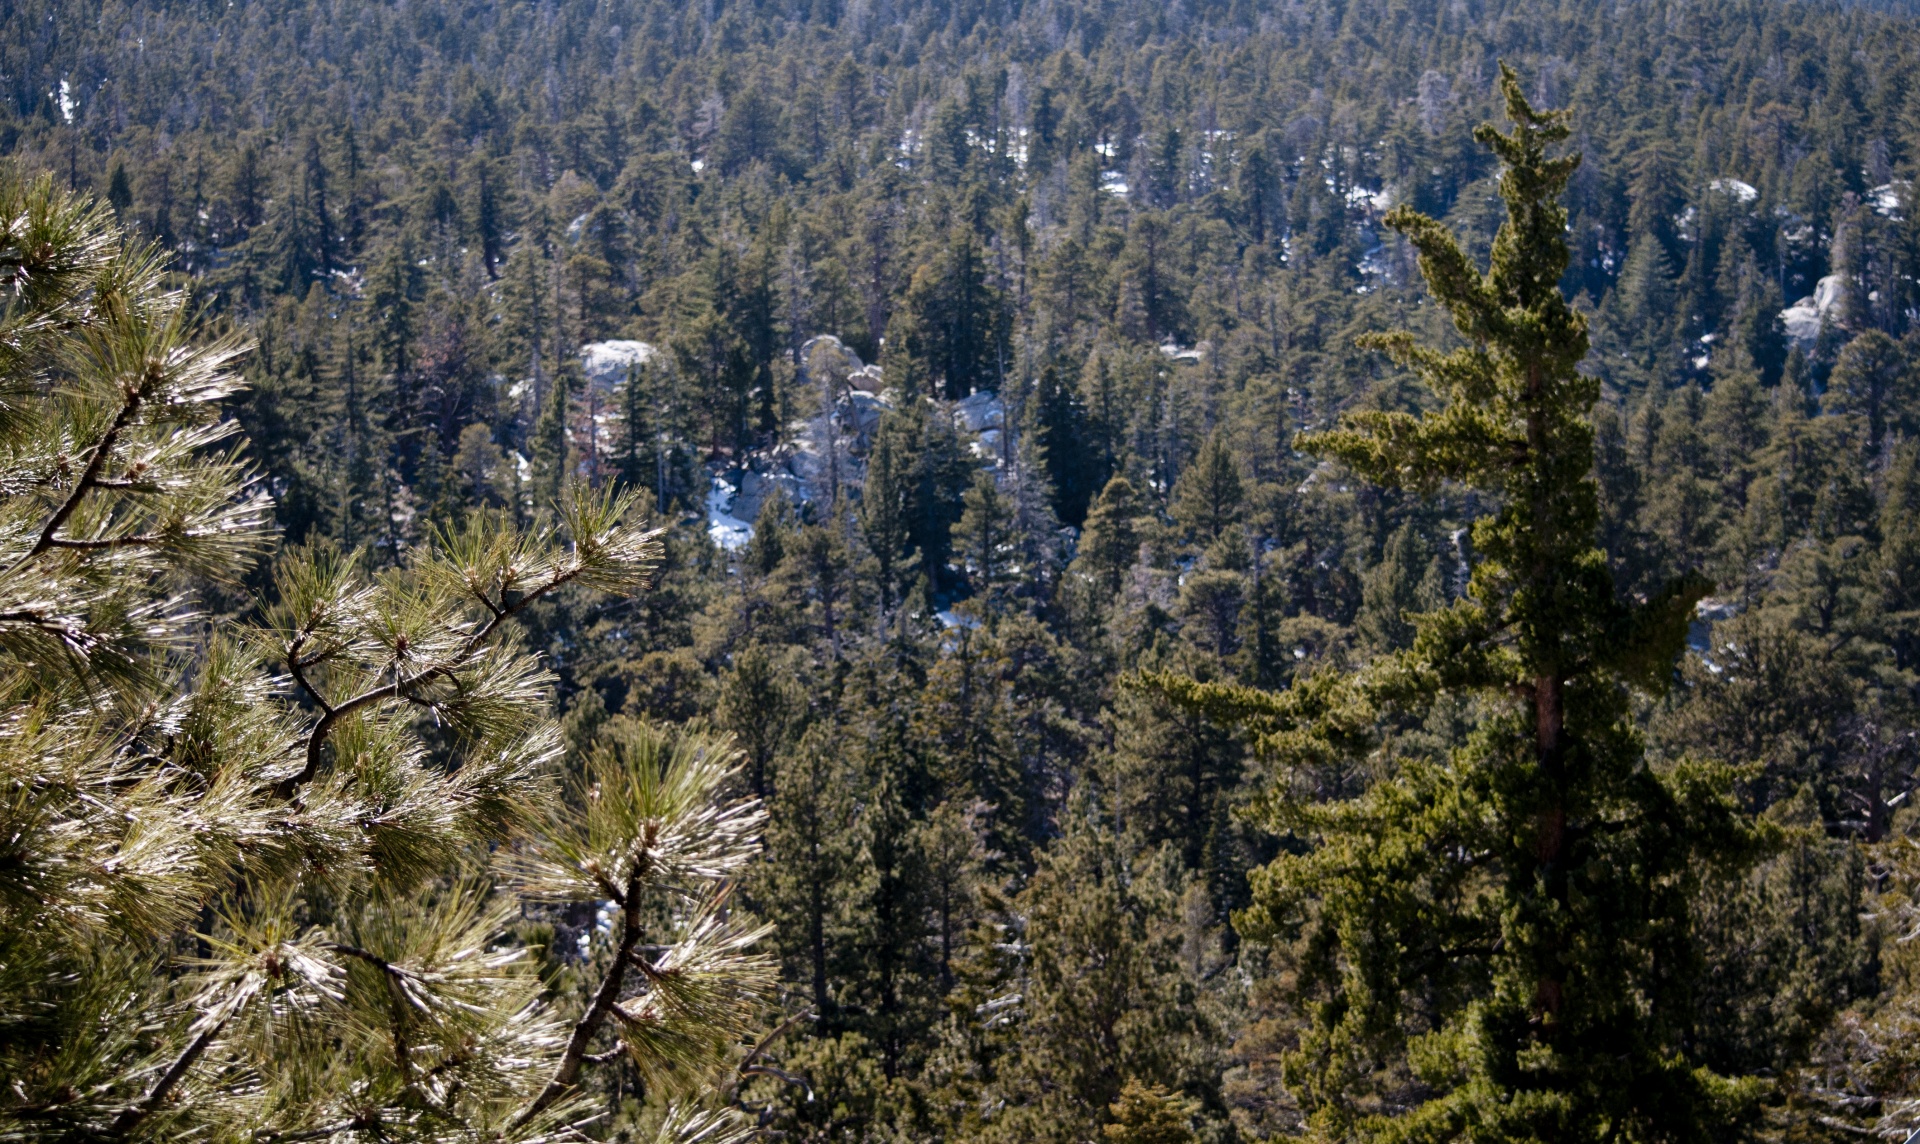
(1135, 768)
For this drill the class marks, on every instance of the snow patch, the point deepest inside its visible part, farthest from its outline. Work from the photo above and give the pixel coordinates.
(730, 533)
(1379, 200)
(1743, 191)
(1889, 199)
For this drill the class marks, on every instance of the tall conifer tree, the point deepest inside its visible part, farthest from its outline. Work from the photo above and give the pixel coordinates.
(1508, 922)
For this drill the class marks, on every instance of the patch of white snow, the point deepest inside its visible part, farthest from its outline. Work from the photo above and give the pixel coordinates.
(723, 528)
(1889, 199)
(1743, 191)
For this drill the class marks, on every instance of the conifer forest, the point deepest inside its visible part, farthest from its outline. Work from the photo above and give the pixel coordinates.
(1000, 571)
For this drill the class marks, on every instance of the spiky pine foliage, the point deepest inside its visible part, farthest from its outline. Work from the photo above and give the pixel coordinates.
(1494, 945)
(247, 876)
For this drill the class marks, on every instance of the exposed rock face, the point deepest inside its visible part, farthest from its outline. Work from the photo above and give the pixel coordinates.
(607, 364)
(979, 412)
(825, 357)
(983, 415)
(819, 455)
(1804, 319)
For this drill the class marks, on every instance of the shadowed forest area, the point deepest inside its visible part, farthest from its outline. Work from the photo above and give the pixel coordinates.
(960, 348)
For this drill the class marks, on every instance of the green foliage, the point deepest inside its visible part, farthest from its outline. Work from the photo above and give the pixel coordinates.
(1147, 1114)
(271, 873)
(1142, 237)
(1208, 498)
(1498, 938)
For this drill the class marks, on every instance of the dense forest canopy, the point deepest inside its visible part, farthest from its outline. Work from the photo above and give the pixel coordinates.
(961, 349)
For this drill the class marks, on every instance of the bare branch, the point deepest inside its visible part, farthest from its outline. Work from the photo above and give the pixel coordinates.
(793, 1079)
(777, 1033)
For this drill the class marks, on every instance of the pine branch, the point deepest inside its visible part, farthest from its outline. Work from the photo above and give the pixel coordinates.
(132, 1116)
(605, 1001)
(266, 1137)
(140, 540)
(396, 1000)
(88, 478)
(297, 668)
(748, 1067)
(402, 687)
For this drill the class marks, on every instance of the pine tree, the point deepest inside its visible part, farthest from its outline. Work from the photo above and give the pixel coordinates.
(1209, 496)
(269, 878)
(1404, 582)
(1111, 542)
(481, 476)
(1509, 921)
(1105, 999)
(119, 189)
(1060, 422)
(1873, 378)
(886, 508)
(551, 450)
(983, 534)
(1149, 1114)
(810, 846)
(246, 191)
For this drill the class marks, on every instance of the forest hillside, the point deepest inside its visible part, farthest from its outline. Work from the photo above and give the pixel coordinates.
(994, 372)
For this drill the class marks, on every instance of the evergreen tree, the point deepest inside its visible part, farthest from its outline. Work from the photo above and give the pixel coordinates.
(246, 888)
(551, 447)
(1060, 422)
(1405, 582)
(1209, 497)
(1149, 1114)
(1511, 919)
(811, 850)
(1142, 225)
(119, 189)
(886, 511)
(1874, 378)
(1105, 998)
(1111, 543)
(982, 534)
